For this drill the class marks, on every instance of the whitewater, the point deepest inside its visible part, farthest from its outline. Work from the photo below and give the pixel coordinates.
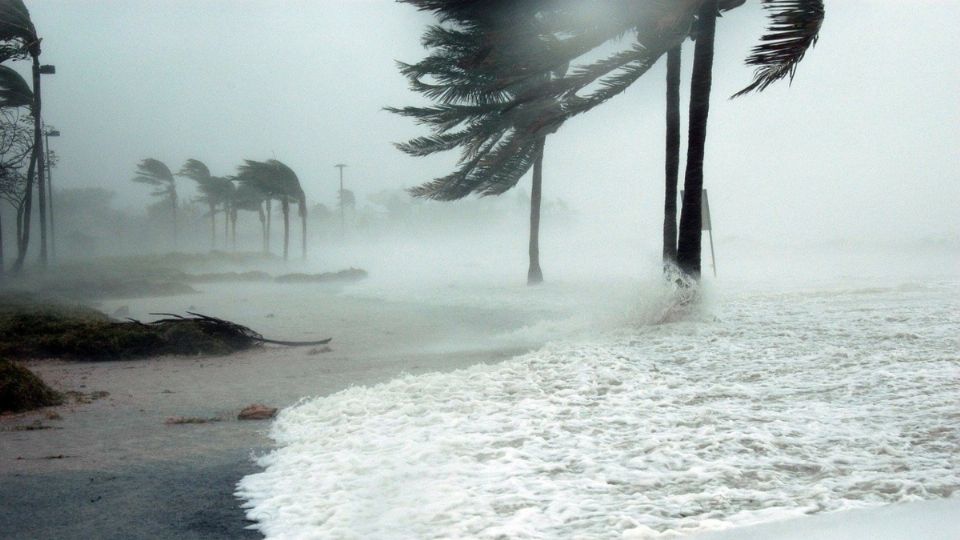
(753, 407)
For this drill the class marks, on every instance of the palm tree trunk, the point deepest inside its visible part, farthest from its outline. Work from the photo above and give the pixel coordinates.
(266, 248)
(285, 209)
(213, 228)
(691, 220)
(263, 226)
(534, 274)
(226, 225)
(233, 229)
(303, 225)
(23, 215)
(672, 163)
(173, 207)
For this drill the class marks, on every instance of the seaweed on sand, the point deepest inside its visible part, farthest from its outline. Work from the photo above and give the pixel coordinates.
(21, 390)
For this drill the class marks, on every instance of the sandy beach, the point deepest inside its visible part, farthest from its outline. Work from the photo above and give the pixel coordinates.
(112, 468)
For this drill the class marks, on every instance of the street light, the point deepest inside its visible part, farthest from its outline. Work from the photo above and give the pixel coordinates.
(53, 235)
(342, 226)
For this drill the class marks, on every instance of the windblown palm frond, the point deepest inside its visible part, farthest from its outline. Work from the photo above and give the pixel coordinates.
(18, 37)
(14, 91)
(155, 173)
(794, 28)
(195, 170)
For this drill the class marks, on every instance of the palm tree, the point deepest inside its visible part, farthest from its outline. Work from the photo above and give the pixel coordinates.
(249, 197)
(155, 173)
(214, 191)
(463, 100)
(18, 39)
(277, 181)
(488, 76)
(672, 158)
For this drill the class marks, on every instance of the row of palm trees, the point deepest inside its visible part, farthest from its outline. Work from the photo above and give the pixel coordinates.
(254, 188)
(500, 76)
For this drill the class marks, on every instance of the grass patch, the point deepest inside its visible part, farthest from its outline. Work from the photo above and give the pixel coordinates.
(21, 390)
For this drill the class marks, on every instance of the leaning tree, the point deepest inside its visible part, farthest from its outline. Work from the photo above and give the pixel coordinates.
(463, 61)
(214, 191)
(494, 78)
(18, 40)
(154, 172)
(277, 181)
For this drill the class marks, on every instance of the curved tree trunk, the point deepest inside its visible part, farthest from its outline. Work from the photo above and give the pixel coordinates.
(534, 274)
(691, 220)
(23, 216)
(672, 162)
(285, 209)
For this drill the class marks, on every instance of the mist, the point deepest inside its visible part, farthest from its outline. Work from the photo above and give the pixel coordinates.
(315, 363)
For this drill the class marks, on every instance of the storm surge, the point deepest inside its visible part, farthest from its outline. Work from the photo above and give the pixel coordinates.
(773, 405)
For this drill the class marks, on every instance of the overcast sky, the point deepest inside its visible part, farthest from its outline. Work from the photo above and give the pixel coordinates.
(864, 144)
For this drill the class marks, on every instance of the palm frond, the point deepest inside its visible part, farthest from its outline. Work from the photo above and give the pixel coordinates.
(16, 26)
(153, 172)
(794, 28)
(14, 91)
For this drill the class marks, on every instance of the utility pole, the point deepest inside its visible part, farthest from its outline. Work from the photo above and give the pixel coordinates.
(53, 235)
(343, 228)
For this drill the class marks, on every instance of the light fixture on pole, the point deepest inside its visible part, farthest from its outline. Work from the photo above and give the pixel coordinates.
(53, 235)
(342, 225)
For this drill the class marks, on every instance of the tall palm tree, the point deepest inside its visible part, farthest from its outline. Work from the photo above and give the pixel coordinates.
(688, 245)
(155, 173)
(489, 76)
(463, 101)
(18, 39)
(672, 158)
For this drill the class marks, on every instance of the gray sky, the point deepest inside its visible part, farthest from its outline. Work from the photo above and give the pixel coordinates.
(862, 145)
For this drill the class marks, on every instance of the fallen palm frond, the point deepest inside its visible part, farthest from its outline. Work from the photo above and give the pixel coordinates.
(228, 330)
(47, 333)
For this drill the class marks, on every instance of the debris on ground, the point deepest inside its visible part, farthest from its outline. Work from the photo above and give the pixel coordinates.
(257, 411)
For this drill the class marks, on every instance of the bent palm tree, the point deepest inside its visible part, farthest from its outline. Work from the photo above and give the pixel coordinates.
(488, 94)
(277, 181)
(19, 39)
(155, 173)
(214, 191)
(248, 197)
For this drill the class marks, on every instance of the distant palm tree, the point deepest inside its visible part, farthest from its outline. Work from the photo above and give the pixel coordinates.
(277, 181)
(19, 39)
(155, 173)
(214, 191)
(247, 196)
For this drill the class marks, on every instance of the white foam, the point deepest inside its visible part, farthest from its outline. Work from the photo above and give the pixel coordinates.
(782, 405)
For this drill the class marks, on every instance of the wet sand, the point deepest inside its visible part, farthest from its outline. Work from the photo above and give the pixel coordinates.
(112, 468)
